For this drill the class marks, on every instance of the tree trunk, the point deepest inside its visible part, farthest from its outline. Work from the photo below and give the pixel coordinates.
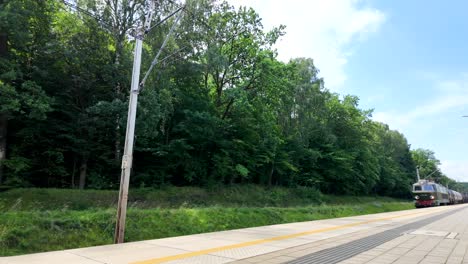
(270, 174)
(3, 45)
(232, 180)
(3, 142)
(3, 118)
(117, 139)
(83, 169)
(73, 173)
(118, 94)
(228, 107)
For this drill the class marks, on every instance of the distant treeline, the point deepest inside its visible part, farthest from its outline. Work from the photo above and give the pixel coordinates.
(220, 108)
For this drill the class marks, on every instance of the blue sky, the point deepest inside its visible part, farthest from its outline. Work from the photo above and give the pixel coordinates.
(407, 60)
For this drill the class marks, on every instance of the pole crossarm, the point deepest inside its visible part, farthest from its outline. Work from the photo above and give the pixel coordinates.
(432, 173)
(166, 18)
(155, 60)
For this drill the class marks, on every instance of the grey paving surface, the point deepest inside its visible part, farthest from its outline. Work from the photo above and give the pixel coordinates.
(442, 238)
(345, 251)
(428, 246)
(445, 239)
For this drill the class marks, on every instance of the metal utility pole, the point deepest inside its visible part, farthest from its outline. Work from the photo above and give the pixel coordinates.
(417, 173)
(129, 138)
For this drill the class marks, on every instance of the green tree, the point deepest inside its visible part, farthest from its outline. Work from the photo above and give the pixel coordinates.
(26, 25)
(428, 166)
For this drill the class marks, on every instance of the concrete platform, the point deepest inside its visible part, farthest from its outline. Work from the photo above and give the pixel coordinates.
(444, 240)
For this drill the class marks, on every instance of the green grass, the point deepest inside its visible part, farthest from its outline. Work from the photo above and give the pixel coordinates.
(174, 197)
(37, 220)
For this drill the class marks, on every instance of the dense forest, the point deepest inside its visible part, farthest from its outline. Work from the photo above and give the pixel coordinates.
(218, 109)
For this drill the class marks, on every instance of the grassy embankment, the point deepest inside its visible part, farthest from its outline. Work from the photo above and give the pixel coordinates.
(36, 220)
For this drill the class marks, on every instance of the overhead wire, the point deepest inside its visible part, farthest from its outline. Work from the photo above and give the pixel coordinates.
(179, 8)
(86, 12)
(192, 15)
(177, 5)
(165, 19)
(173, 54)
(155, 60)
(108, 26)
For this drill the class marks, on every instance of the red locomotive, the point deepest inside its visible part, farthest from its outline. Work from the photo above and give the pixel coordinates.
(428, 193)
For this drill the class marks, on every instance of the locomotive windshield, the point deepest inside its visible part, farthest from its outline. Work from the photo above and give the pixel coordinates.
(424, 187)
(428, 187)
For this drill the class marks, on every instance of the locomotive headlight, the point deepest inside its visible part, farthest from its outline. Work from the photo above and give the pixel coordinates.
(432, 197)
(416, 197)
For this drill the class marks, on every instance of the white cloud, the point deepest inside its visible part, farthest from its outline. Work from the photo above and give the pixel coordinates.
(322, 30)
(453, 95)
(457, 170)
(394, 120)
(449, 101)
